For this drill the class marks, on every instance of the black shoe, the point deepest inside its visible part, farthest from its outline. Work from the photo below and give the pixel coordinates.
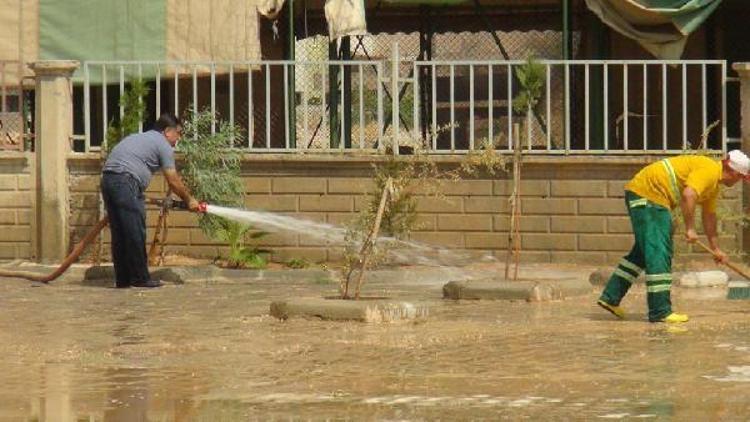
(147, 284)
(119, 285)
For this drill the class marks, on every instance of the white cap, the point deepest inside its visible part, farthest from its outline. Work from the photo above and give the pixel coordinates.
(739, 162)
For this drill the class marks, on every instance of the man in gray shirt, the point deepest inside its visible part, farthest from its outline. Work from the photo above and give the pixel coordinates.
(125, 176)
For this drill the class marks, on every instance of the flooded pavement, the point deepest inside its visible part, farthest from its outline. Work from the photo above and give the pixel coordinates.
(210, 352)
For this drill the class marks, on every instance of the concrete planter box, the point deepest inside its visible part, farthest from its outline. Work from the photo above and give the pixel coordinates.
(366, 310)
(528, 290)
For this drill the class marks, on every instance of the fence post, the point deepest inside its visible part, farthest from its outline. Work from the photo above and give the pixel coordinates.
(334, 130)
(54, 131)
(743, 70)
(395, 112)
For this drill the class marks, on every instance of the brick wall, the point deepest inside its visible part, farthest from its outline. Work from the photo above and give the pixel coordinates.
(16, 201)
(573, 208)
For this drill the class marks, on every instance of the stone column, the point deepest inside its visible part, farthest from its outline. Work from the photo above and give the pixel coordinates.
(53, 131)
(743, 70)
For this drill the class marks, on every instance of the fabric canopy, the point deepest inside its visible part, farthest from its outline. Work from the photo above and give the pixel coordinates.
(102, 30)
(660, 26)
(158, 30)
(344, 17)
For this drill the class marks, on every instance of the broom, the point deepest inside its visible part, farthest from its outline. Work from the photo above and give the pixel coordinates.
(737, 290)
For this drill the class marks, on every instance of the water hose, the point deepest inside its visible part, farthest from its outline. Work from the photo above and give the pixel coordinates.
(165, 204)
(81, 245)
(67, 262)
(170, 203)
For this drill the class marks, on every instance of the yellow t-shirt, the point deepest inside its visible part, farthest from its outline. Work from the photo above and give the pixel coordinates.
(654, 182)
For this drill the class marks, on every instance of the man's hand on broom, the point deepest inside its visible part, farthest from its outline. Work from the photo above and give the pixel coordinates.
(720, 257)
(691, 235)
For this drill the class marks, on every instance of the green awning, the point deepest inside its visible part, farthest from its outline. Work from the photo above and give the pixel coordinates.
(660, 26)
(140, 30)
(102, 30)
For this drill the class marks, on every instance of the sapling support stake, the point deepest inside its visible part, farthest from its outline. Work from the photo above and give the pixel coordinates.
(514, 234)
(369, 243)
(157, 245)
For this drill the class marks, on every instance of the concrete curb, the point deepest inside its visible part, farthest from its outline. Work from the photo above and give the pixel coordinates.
(75, 272)
(105, 274)
(208, 274)
(700, 279)
(372, 310)
(528, 290)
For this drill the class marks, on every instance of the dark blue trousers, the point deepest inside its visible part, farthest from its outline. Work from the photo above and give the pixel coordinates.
(123, 198)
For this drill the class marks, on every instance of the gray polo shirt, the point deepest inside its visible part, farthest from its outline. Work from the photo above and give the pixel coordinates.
(141, 155)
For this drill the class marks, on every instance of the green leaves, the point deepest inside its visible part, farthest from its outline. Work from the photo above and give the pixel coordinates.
(134, 107)
(400, 215)
(247, 258)
(212, 165)
(212, 173)
(531, 76)
(297, 263)
(241, 256)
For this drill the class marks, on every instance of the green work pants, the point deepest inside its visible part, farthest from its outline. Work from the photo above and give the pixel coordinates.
(652, 251)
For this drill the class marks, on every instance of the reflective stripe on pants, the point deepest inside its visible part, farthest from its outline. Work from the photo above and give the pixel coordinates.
(652, 251)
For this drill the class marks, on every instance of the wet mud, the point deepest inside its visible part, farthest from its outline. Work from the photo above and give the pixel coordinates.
(210, 351)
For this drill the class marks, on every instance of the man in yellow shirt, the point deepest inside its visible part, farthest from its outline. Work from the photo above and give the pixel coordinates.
(658, 188)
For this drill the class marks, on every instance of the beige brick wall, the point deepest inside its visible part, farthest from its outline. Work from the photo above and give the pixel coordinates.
(573, 209)
(16, 204)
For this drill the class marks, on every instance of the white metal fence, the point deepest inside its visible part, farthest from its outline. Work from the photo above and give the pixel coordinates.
(280, 106)
(625, 107)
(586, 107)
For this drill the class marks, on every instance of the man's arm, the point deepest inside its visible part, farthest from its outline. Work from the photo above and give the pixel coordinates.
(687, 204)
(709, 225)
(175, 183)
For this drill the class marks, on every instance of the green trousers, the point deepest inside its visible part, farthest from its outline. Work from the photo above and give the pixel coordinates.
(652, 251)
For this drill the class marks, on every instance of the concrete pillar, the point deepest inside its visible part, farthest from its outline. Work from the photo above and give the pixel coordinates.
(743, 70)
(54, 131)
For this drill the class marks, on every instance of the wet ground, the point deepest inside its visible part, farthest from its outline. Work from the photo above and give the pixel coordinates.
(210, 352)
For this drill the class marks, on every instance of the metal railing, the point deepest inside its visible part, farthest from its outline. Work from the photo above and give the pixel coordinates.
(586, 107)
(280, 106)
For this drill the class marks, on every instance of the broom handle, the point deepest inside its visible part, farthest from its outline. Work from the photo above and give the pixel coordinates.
(727, 263)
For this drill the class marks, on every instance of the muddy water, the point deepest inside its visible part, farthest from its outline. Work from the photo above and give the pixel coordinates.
(209, 352)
